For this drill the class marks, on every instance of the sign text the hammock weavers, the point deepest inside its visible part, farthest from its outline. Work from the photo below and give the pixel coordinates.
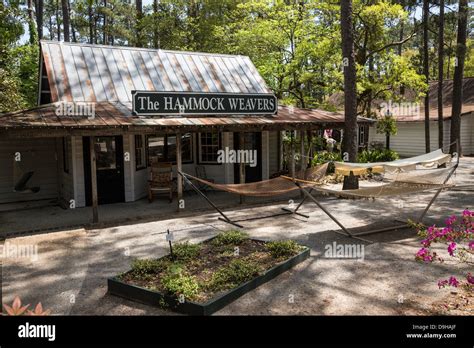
(152, 103)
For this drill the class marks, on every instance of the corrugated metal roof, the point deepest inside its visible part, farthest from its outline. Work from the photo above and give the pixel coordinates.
(81, 72)
(118, 115)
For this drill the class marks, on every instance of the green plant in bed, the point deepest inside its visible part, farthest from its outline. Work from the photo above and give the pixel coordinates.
(186, 251)
(232, 237)
(177, 282)
(283, 248)
(238, 271)
(146, 268)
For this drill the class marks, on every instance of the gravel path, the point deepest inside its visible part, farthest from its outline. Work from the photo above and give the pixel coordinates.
(69, 273)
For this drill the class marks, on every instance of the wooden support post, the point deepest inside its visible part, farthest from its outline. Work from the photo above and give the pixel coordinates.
(95, 200)
(292, 155)
(302, 154)
(281, 151)
(242, 165)
(179, 168)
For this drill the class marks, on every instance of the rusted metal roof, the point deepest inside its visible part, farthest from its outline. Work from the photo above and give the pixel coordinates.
(113, 115)
(95, 73)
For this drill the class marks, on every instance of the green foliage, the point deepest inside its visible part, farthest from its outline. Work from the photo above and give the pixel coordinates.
(177, 282)
(283, 248)
(387, 125)
(146, 268)
(186, 251)
(18, 63)
(237, 272)
(232, 237)
(324, 157)
(377, 155)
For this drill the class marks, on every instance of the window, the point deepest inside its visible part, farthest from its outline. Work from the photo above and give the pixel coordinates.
(65, 155)
(363, 135)
(164, 148)
(209, 144)
(140, 162)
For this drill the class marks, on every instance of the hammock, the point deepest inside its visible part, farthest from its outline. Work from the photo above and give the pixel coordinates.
(413, 181)
(402, 177)
(429, 160)
(268, 188)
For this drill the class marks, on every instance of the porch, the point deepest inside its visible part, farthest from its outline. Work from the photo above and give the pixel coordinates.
(42, 216)
(67, 155)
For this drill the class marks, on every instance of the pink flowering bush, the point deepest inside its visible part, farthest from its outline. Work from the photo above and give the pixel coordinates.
(458, 238)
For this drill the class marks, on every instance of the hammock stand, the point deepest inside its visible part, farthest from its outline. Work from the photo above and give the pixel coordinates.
(224, 217)
(307, 195)
(347, 233)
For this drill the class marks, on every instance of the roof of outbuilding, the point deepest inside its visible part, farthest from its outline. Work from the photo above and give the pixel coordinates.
(96, 73)
(407, 114)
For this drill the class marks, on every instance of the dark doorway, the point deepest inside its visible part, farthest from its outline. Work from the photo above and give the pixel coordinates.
(110, 180)
(252, 141)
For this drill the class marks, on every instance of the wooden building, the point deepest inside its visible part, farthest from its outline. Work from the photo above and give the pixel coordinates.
(104, 157)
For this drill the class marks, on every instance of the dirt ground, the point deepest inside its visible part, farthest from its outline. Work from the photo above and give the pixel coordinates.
(69, 271)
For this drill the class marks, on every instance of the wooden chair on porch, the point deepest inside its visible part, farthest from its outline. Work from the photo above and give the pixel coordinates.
(161, 179)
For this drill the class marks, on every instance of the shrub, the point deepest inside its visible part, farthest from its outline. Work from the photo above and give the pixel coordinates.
(232, 237)
(177, 282)
(324, 157)
(458, 239)
(283, 248)
(238, 271)
(369, 156)
(186, 251)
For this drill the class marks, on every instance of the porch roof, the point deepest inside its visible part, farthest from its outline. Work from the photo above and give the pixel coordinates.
(115, 117)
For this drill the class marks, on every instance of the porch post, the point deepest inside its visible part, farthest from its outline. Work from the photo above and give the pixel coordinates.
(242, 164)
(302, 157)
(179, 168)
(291, 165)
(95, 209)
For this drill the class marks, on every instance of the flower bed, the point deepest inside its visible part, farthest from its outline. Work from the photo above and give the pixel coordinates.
(202, 278)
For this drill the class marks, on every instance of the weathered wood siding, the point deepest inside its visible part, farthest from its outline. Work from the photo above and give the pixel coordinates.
(38, 155)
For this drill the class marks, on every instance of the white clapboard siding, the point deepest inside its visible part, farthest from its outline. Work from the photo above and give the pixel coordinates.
(38, 155)
(410, 138)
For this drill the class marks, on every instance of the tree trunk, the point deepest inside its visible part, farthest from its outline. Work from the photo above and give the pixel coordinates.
(440, 73)
(91, 23)
(458, 76)
(31, 22)
(73, 29)
(350, 93)
(104, 28)
(58, 25)
(139, 7)
(400, 47)
(156, 34)
(39, 18)
(426, 72)
(65, 9)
